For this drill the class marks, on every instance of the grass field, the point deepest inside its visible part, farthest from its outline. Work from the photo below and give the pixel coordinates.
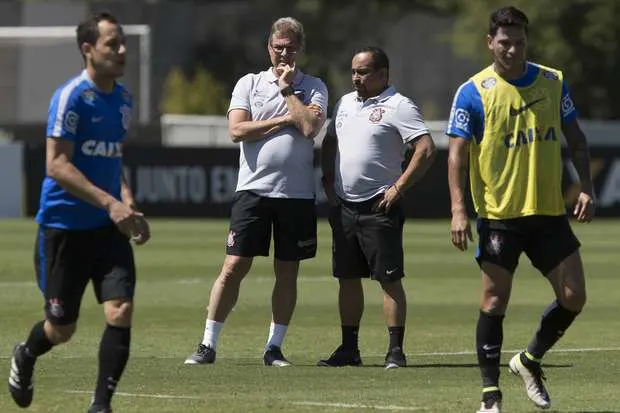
(175, 275)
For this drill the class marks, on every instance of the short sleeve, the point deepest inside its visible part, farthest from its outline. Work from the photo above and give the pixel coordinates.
(408, 121)
(63, 117)
(567, 107)
(241, 94)
(466, 113)
(319, 95)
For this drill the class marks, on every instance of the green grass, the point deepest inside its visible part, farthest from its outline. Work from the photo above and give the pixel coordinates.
(175, 275)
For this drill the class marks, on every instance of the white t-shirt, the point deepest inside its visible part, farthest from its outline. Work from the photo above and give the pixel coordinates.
(282, 164)
(372, 138)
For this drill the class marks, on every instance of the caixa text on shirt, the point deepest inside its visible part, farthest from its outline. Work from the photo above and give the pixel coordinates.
(526, 137)
(106, 149)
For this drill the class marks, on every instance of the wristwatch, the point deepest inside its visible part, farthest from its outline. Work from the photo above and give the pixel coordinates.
(287, 91)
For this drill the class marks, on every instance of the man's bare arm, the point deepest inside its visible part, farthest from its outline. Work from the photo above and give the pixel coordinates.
(424, 152)
(241, 127)
(60, 167)
(580, 154)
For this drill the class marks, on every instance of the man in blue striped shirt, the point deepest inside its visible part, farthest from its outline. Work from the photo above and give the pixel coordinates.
(86, 216)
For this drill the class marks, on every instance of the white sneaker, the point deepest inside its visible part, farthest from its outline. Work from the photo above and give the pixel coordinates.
(492, 406)
(533, 379)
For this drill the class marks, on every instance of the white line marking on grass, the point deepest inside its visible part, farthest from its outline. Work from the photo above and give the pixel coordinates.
(149, 396)
(359, 406)
(559, 350)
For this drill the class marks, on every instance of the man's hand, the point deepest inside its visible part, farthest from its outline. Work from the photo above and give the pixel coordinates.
(390, 197)
(129, 222)
(460, 230)
(287, 76)
(141, 231)
(584, 208)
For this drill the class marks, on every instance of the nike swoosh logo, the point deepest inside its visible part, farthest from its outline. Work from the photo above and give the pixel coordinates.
(487, 347)
(517, 111)
(388, 272)
(97, 119)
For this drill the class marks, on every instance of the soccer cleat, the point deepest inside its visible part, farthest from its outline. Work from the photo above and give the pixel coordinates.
(274, 357)
(342, 357)
(203, 355)
(491, 402)
(395, 358)
(533, 378)
(96, 408)
(20, 377)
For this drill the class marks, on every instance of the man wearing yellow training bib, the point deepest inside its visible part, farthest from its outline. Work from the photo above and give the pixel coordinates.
(505, 129)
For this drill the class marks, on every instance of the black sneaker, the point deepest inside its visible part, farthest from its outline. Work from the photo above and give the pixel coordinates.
(20, 377)
(97, 408)
(203, 355)
(395, 358)
(342, 357)
(274, 357)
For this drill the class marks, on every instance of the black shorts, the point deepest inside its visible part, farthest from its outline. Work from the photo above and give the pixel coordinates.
(252, 217)
(367, 243)
(65, 260)
(546, 240)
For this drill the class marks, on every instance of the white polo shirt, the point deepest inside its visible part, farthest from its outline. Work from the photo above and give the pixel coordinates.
(282, 164)
(372, 137)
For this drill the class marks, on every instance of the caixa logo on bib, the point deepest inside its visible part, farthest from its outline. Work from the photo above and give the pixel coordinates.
(102, 148)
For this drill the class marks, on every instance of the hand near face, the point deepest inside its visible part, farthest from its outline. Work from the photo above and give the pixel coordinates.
(287, 76)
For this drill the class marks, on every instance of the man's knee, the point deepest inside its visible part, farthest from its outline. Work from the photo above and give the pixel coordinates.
(234, 269)
(118, 312)
(58, 334)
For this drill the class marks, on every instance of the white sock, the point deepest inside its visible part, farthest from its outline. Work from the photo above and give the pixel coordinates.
(212, 333)
(276, 335)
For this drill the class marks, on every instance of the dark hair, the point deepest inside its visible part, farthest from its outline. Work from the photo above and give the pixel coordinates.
(379, 58)
(88, 30)
(507, 17)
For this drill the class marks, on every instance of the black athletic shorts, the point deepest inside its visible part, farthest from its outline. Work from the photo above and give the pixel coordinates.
(546, 240)
(252, 217)
(366, 243)
(65, 260)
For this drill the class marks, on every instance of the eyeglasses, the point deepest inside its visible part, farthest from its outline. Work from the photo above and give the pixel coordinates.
(280, 49)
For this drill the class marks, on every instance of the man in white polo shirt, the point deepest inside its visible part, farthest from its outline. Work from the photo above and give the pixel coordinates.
(363, 177)
(274, 115)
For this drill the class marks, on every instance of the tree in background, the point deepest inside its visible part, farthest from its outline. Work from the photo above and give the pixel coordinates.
(581, 37)
(200, 94)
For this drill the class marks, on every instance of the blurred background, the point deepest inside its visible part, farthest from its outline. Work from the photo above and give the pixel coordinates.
(185, 57)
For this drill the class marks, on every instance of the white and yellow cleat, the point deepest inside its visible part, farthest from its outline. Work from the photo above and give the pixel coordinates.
(532, 377)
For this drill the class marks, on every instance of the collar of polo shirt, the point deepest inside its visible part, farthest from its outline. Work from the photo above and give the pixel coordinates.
(382, 97)
(272, 78)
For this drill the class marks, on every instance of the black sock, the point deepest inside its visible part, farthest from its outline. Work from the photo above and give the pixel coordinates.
(113, 356)
(349, 337)
(397, 335)
(489, 337)
(37, 343)
(555, 320)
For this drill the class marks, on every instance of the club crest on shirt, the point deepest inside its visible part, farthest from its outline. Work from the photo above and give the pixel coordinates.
(488, 83)
(126, 116)
(89, 95)
(376, 115)
(496, 241)
(231, 239)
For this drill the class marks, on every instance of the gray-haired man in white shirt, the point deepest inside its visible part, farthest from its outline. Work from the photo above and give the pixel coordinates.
(274, 114)
(362, 158)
